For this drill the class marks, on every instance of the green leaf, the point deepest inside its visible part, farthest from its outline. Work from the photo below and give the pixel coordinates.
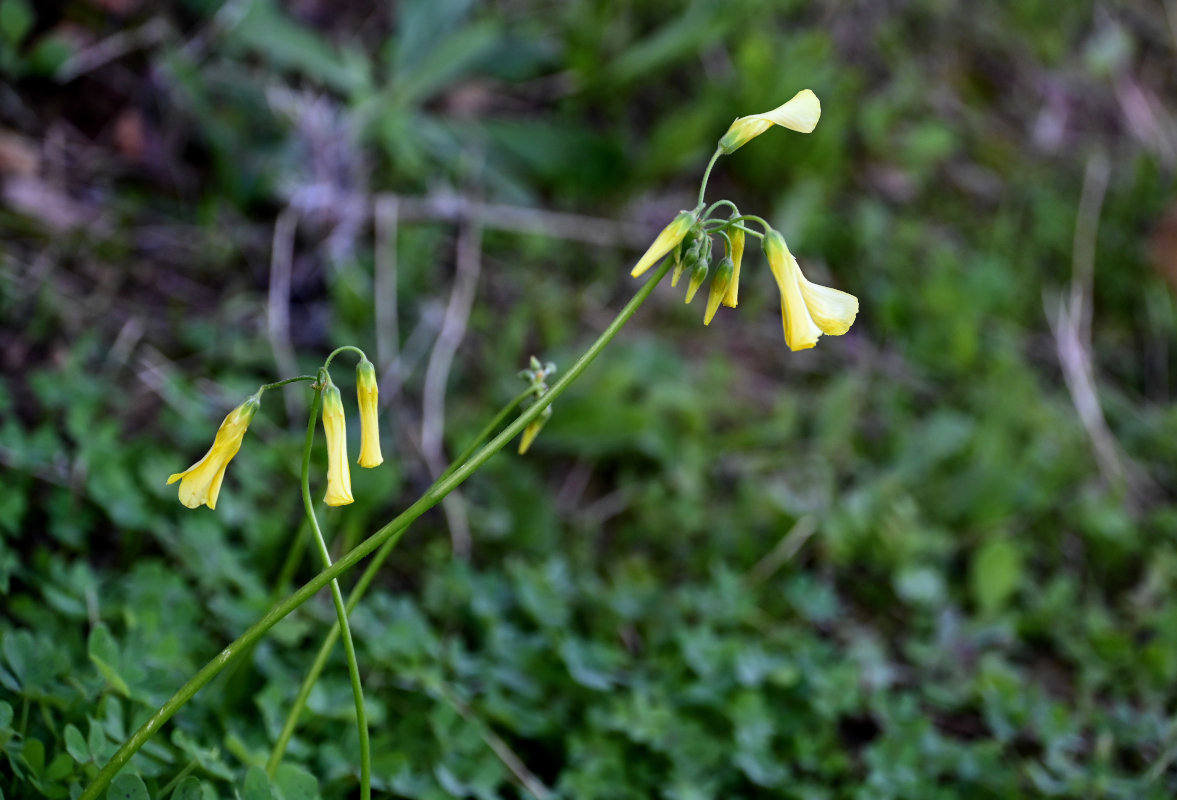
(60, 767)
(996, 574)
(256, 786)
(295, 783)
(104, 653)
(34, 755)
(6, 715)
(127, 786)
(16, 20)
(75, 744)
(189, 789)
(97, 742)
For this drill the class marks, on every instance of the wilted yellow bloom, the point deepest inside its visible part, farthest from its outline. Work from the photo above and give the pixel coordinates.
(367, 393)
(670, 236)
(731, 298)
(807, 310)
(335, 429)
(200, 484)
(799, 114)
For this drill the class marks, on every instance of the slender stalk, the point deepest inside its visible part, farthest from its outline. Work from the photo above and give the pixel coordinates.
(357, 593)
(276, 384)
(349, 649)
(720, 204)
(394, 528)
(339, 350)
(707, 174)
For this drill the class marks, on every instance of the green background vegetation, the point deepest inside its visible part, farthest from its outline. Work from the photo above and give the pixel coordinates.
(894, 566)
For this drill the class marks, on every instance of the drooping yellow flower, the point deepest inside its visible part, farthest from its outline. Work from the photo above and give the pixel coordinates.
(800, 114)
(335, 429)
(670, 236)
(367, 393)
(807, 309)
(200, 484)
(731, 298)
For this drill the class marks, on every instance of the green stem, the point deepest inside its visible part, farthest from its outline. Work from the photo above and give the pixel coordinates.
(288, 380)
(394, 528)
(349, 649)
(486, 431)
(181, 775)
(719, 204)
(339, 350)
(707, 175)
(357, 593)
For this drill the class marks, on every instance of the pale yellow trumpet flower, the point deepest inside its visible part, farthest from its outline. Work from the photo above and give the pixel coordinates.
(200, 484)
(807, 309)
(800, 114)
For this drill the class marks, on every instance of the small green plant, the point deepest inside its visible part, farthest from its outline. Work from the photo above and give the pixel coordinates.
(686, 245)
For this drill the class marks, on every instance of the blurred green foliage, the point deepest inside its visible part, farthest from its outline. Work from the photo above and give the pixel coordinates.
(889, 567)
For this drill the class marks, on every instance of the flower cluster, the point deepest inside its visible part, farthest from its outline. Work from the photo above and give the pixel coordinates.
(200, 484)
(807, 309)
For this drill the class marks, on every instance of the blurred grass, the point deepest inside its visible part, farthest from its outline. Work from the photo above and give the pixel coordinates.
(984, 608)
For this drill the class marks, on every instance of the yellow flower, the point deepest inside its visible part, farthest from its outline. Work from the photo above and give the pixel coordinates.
(335, 429)
(670, 236)
(367, 393)
(807, 310)
(731, 298)
(201, 482)
(799, 114)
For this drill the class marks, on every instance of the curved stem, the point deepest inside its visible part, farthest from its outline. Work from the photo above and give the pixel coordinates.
(338, 350)
(357, 593)
(720, 204)
(353, 669)
(394, 528)
(707, 174)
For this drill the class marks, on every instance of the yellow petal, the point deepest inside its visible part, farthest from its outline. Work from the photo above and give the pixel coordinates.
(368, 397)
(335, 429)
(670, 236)
(732, 296)
(833, 310)
(800, 114)
(529, 433)
(801, 332)
(719, 287)
(200, 484)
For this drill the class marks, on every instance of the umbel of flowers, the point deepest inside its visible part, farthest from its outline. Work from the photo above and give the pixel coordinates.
(200, 484)
(807, 309)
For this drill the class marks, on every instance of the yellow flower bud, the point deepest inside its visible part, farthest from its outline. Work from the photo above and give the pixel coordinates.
(731, 298)
(335, 429)
(533, 428)
(800, 114)
(719, 287)
(698, 275)
(807, 309)
(367, 393)
(670, 236)
(200, 484)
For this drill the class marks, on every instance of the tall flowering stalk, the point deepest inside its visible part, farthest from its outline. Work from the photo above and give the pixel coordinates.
(807, 310)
